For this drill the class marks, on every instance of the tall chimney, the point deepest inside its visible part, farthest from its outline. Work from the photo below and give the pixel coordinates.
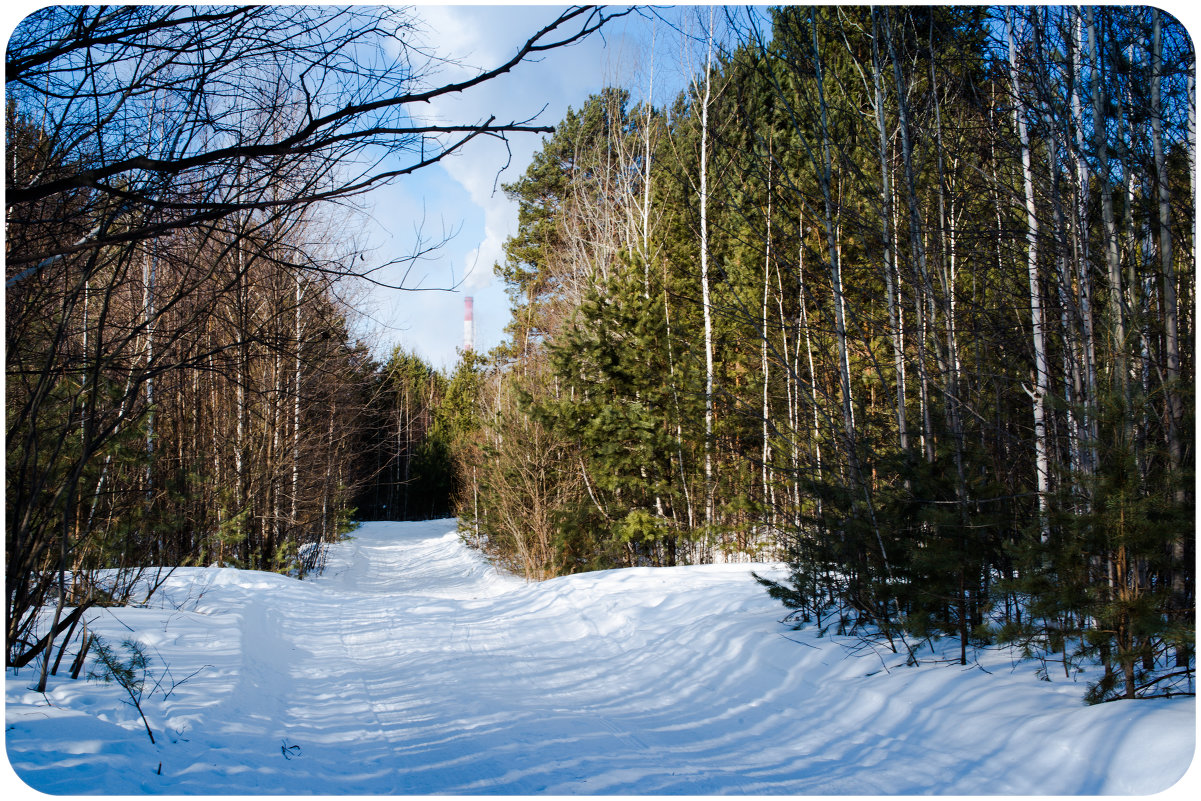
(468, 325)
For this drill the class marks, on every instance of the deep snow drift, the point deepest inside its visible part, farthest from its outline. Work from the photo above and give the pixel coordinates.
(411, 666)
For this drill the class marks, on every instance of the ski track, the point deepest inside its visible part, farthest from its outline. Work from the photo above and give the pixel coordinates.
(411, 666)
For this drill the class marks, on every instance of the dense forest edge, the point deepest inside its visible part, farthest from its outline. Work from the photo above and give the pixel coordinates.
(901, 297)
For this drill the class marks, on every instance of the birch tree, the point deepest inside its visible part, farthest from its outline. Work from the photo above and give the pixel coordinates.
(1039, 393)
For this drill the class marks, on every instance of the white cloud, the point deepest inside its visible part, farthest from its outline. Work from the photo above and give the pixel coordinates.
(476, 170)
(482, 37)
(479, 37)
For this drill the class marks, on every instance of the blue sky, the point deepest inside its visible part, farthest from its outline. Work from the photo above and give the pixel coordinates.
(463, 193)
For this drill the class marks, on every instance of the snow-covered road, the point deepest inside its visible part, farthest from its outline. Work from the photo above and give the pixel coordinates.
(411, 666)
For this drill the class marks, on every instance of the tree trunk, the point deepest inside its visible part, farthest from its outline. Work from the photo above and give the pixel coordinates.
(296, 376)
(1084, 281)
(705, 303)
(889, 245)
(1041, 389)
(824, 181)
(1112, 256)
(924, 297)
(1172, 390)
(768, 477)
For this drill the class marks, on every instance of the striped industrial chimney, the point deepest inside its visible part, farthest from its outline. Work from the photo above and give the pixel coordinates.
(468, 325)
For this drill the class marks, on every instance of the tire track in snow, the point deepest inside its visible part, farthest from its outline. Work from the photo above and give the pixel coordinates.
(300, 662)
(668, 760)
(405, 588)
(382, 736)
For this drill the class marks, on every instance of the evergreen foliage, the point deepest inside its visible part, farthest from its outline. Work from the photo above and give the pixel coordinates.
(407, 441)
(128, 671)
(893, 295)
(886, 316)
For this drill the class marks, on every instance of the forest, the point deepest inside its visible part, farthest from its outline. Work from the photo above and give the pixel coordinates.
(895, 295)
(183, 384)
(901, 297)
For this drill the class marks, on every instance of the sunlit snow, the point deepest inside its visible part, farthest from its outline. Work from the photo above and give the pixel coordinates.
(412, 666)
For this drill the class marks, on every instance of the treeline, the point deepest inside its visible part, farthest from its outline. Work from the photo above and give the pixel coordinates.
(188, 399)
(406, 458)
(897, 295)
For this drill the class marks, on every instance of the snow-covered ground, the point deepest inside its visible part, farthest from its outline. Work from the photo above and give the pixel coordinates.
(411, 666)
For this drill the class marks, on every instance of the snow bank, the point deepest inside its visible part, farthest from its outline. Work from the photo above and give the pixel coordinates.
(411, 666)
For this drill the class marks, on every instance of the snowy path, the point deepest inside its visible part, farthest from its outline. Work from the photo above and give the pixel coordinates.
(411, 666)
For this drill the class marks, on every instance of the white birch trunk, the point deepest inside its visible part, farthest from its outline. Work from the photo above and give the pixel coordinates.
(1040, 391)
(705, 301)
(768, 478)
(924, 306)
(804, 314)
(791, 392)
(148, 277)
(824, 179)
(296, 376)
(646, 168)
(898, 348)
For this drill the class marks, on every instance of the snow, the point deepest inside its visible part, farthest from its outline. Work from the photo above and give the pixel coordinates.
(412, 667)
